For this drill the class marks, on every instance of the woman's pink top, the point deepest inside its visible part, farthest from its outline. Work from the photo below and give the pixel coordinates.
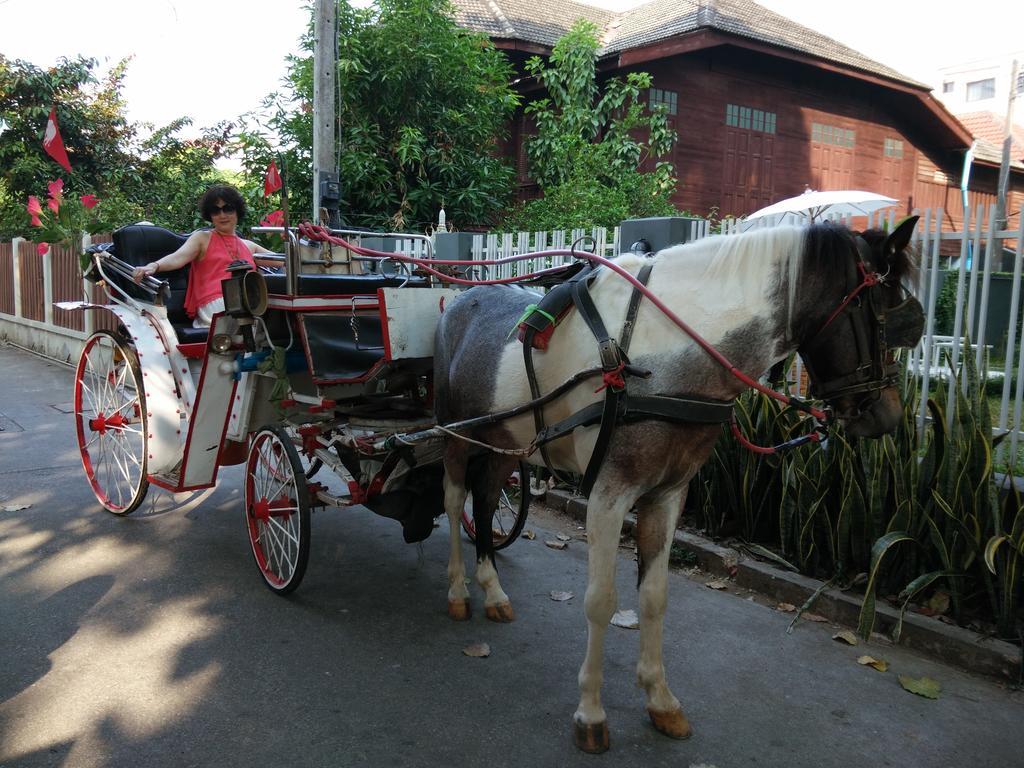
(205, 276)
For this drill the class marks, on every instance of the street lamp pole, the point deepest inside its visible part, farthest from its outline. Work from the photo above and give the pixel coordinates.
(1004, 165)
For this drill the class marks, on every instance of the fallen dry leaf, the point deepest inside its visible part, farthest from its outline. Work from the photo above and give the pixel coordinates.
(922, 686)
(845, 636)
(716, 584)
(477, 650)
(815, 617)
(870, 661)
(626, 619)
(563, 537)
(785, 607)
(561, 597)
(15, 507)
(529, 535)
(556, 544)
(938, 604)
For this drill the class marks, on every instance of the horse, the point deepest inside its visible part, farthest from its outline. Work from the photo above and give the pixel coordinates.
(837, 297)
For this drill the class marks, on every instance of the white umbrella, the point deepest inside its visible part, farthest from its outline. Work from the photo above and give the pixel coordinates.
(811, 206)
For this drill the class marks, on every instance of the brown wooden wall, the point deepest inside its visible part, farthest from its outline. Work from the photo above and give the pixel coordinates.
(6, 279)
(735, 171)
(31, 263)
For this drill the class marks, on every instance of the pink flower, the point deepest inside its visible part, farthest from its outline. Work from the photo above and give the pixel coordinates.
(53, 204)
(89, 201)
(56, 189)
(274, 219)
(42, 248)
(34, 209)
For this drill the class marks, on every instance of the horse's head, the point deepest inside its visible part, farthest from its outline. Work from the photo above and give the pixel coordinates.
(869, 315)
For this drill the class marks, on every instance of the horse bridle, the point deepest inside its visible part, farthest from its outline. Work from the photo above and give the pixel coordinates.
(876, 329)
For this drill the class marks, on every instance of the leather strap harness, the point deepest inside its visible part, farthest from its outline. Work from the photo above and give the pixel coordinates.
(618, 406)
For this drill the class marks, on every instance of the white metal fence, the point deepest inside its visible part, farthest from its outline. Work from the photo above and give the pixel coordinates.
(981, 303)
(971, 259)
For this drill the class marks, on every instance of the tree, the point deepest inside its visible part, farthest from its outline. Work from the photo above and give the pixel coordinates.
(159, 178)
(589, 146)
(421, 105)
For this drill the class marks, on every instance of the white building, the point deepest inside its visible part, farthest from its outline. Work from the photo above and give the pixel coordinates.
(982, 85)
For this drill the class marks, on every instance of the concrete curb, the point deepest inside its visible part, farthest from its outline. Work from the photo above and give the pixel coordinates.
(952, 645)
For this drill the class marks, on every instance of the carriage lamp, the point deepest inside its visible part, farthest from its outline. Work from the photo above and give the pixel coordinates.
(245, 297)
(245, 292)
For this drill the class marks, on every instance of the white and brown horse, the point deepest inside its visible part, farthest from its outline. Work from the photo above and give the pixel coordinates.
(757, 298)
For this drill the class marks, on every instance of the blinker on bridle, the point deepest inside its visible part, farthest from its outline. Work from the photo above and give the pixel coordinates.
(875, 329)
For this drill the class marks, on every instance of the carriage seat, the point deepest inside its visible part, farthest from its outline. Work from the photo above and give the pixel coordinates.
(138, 245)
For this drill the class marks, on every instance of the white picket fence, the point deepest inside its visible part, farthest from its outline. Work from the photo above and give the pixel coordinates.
(971, 254)
(940, 251)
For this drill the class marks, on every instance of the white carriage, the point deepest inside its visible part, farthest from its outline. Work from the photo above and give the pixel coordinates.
(314, 365)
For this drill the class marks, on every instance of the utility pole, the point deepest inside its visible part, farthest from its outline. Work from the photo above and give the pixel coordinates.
(326, 184)
(1004, 166)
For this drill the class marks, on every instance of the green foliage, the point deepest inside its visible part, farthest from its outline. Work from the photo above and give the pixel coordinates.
(590, 145)
(159, 177)
(913, 511)
(422, 104)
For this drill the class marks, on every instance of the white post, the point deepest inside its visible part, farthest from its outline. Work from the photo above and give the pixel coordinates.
(88, 322)
(16, 273)
(48, 286)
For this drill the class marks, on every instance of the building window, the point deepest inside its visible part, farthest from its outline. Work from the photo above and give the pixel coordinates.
(832, 134)
(893, 148)
(667, 99)
(749, 118)
(980, 90)
(948, 86)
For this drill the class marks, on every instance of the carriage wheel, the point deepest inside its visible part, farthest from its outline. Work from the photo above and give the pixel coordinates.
(110, 418)
(510, 515)
(277, 509)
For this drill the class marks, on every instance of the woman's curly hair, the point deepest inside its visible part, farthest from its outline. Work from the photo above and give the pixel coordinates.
(227, 195)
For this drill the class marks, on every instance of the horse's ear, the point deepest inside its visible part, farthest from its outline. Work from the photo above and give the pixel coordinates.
(899, 238)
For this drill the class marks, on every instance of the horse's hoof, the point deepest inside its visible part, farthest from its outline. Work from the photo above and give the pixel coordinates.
(501, 612)
(672, 723)
(458, 610)
(591, 738)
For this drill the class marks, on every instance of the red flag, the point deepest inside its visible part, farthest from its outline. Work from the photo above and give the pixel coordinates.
(54, 144)
(272, 180)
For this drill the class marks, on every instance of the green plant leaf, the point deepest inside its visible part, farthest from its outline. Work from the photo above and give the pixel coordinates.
(866, 621)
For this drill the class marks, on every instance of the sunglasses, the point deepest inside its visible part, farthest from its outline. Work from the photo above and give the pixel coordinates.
(227, 208)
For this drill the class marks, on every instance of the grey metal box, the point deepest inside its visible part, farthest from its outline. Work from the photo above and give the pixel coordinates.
(657, 231)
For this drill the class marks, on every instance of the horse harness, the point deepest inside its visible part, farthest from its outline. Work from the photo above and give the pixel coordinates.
(618, 407)
(870, 321)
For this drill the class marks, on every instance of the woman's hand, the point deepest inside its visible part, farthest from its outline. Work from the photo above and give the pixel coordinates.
(142, 272)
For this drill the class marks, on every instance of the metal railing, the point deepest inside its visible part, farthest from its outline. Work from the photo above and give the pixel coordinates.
(970, 283)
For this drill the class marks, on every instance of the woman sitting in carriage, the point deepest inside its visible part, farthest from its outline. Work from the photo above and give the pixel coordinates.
(211, 250)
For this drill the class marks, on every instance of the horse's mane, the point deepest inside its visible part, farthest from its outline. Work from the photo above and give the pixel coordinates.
(753, 261)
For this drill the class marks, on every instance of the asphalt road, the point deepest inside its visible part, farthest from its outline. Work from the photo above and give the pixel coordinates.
(150, 641)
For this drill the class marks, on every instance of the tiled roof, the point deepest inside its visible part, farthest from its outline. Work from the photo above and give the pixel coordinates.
(988, 128)
(544, 22)
(534, 21)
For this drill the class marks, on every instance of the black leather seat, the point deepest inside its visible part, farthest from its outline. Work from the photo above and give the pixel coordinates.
(138, 245)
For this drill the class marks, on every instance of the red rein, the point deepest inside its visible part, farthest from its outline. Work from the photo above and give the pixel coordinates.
(319, 233)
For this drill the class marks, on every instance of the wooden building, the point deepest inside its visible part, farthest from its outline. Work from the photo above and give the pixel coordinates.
(763, 107)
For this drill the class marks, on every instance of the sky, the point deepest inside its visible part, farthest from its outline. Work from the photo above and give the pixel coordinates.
(214, 61)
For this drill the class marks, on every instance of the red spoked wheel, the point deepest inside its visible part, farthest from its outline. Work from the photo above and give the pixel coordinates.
(110, 419)
(277, 509)
(510, 515)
